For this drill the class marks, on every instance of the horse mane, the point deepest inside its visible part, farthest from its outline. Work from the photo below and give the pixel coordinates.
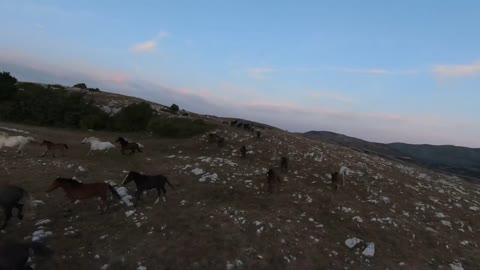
(70, 181)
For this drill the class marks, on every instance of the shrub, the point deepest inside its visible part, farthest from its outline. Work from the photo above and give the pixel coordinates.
(80, 85)
(177, 127)
(174, 108)
(7, 85)
(134, 117)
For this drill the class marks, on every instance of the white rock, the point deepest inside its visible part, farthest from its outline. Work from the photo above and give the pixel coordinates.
(104, 267)
(197, 171)
(129, 213)
(369, 251)
(357, 219)
(440, 215)
(474, 208)
(43, 222)
(456, 266)
(351, 242)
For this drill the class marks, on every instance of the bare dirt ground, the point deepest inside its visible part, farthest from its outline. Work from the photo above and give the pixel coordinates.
(220, 216)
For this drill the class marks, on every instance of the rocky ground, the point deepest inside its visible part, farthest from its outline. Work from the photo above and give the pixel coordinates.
(388, 216)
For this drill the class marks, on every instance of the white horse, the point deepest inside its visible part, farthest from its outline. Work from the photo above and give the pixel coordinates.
(12, 141)
(97, 145)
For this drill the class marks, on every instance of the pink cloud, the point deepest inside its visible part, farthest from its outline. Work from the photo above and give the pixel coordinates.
(457, 71)
(149, 46)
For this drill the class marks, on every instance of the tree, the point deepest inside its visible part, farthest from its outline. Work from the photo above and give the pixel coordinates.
(7, 85)
(174, 108)
(134, 117)
(80, 85)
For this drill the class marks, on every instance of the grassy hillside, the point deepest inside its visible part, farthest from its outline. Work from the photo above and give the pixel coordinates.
(222, 218)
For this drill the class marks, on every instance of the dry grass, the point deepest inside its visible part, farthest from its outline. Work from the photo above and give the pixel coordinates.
(203, 224)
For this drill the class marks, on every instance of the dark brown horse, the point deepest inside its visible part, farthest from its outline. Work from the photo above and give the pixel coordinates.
(272, 178)
(13, 197)
(128, 146)
(243, 151)
(284, 164)
(14, 254)
(259, 134)
(52, 147)
(76, 190)
(147, 182)
(220, 141)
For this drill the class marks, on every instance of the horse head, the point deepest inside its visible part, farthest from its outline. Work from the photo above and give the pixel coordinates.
(128, 178)
(44, 142)
(86, 140)
(56, 184)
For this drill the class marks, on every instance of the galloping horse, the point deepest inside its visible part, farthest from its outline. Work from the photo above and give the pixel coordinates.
(12, 141)
(14, 255)
(272, 178)
(97, 145)
(53, 147)
(338, 178)
(243, 151)
(76, 190)
(147, 182)
(132, 146)
(13, 197)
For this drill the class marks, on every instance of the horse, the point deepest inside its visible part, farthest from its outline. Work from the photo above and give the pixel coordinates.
(54, 146)
(97, 145)
(220, 141)
(12, 141)
(132, 146)
(259, 134)
(14, 255)
(284, 164)
(243, 151)
(13, 197)
(272, 178)
(212, 137)
(147, 182)
(338, 178)
(76, 190)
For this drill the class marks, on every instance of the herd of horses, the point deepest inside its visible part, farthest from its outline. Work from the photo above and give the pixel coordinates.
(14, 197)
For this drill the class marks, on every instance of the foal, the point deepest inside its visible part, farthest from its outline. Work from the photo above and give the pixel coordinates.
(13, 197)
(284, 164)
(53, 147)
(272, 178)
(131, 146)
(147, 182)
(76, 190)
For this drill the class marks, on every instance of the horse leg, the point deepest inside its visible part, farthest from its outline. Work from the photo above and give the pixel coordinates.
(8, 215)
(88, 153)
(138, 195)
(44, 153)
(19, 206)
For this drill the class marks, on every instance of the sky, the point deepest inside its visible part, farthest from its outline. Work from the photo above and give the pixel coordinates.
(384, 71)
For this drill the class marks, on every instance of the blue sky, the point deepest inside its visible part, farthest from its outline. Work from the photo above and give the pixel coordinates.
(406, 71)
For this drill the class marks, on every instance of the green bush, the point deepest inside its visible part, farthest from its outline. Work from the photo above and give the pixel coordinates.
(80, 85)
(177, 127)
(174, 108)
(7, 86)
(134, 117)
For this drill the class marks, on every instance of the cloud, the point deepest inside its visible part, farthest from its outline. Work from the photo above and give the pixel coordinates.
(331, 96)
(259, 73)
(376, 71)
(457, 71)
(149, 46)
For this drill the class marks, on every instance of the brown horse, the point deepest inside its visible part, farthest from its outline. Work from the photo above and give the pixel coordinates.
(130, 146)
(76, 190)
(284, 164)
(243, 151)
(272, 178)
(54, 147)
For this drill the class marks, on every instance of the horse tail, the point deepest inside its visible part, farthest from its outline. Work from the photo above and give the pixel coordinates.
(27, 202)
(168, 182)
(114, 192)
(66, 146)
(343, 170)
(139, 147)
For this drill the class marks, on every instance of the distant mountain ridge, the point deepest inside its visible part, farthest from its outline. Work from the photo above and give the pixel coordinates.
(461, 161)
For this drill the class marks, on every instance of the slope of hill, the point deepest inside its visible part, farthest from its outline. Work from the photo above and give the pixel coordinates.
(461, 161)
(390, 215)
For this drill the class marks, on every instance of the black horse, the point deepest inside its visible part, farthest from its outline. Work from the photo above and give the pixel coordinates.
(147, 182)
(12, 197)
(284, 164)
(14, 255)
(243, 151)
(131, 146)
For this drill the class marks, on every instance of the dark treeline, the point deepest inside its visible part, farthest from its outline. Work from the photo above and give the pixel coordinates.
(33, 104)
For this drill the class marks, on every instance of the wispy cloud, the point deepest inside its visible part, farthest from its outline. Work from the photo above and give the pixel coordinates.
(457, 71)
(331, 96)
(149, 46)
(375, 71)
(259, 73)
